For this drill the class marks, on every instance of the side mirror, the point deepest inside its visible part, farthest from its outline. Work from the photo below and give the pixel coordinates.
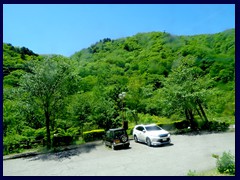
(144, 131)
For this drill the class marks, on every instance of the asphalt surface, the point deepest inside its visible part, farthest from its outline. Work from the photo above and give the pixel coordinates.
(187, 152)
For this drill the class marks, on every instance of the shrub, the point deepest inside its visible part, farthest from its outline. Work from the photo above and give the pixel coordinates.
(216, 126)
(72, 131)
(93, 135)
(28, 132)
(192, 173)
(130, 130)
(226, 163)
(40, 133)
(174, 125)
(65, 137)
(62, 140)
(14, 143)
(183, 131)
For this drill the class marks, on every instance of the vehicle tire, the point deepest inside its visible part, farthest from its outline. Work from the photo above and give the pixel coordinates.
(135, 138)
(124, 138)
(148, 142)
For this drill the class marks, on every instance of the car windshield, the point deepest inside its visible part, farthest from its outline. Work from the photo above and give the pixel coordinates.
(153, 128)
(119, 133)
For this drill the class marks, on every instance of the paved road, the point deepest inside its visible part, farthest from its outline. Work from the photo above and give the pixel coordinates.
(186, 153)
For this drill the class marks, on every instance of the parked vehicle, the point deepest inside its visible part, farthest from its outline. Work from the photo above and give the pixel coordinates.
(117, 138)
(151, 134)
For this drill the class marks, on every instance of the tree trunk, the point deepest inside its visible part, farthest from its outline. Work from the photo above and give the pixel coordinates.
(135, 116)
(202, 111)
(190, 117)
(186, 114)
(199, 113)
(47, 116)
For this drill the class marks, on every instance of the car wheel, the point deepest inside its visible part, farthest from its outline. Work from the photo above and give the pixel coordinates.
(123, 138)
(135, 138)
(148, 142)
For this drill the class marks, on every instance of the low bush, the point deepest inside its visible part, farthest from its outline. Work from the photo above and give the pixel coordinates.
(40, 133)
(62, 140)
(93, 135)
(192, 173)
(215, 126)
(174, 125)
(72, 131)
(14, 143)
(62, 137)
(226, 163)
(182, 131)
(130, 130)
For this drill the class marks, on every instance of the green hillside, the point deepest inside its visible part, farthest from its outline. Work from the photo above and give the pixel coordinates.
(166, 78)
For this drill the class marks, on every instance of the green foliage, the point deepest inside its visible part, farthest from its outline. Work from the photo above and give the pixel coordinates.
(14, 143)
(147, 118)
(93, 135)
(72, 131)
(16, 58)
(47, 86)
(40, 133)
(225, 166)
(192, 173)
(216, 126)
(185, 90)
(226, 163)
(29, 132)
(65, 137)
(62, 141)
(167, 79)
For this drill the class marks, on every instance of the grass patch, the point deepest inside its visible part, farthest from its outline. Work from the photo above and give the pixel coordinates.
(211, 172)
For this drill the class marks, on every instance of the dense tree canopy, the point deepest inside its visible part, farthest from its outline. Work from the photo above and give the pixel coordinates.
(174, 77)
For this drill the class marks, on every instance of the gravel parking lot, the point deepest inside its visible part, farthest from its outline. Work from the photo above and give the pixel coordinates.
(94, 159)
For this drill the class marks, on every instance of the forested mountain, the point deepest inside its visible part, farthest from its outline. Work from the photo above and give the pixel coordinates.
(15, 62)
(141, 64)
(165, 77)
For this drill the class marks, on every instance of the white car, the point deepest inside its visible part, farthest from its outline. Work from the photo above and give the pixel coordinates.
(151, 134)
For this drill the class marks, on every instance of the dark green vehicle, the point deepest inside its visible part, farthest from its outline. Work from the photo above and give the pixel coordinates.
(117, 138)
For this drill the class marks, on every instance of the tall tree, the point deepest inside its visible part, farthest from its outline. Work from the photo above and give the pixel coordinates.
(186, 89)
(49, 82)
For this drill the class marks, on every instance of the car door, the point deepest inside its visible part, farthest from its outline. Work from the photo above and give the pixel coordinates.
(140, 133)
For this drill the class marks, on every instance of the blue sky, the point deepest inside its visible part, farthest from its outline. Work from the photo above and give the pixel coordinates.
(66, 29)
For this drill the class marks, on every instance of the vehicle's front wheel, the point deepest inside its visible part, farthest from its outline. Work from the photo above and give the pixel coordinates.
(135, 138)
(148, 142)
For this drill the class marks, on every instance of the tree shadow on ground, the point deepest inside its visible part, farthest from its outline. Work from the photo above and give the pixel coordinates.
(157, 146)
(119, 148)
(66, 153)
(163, 145)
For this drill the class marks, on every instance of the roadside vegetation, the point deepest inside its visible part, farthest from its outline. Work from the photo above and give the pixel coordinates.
(225, 166)
(182, 83)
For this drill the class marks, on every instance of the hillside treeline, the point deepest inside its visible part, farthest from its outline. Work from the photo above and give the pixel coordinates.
(165, 77)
